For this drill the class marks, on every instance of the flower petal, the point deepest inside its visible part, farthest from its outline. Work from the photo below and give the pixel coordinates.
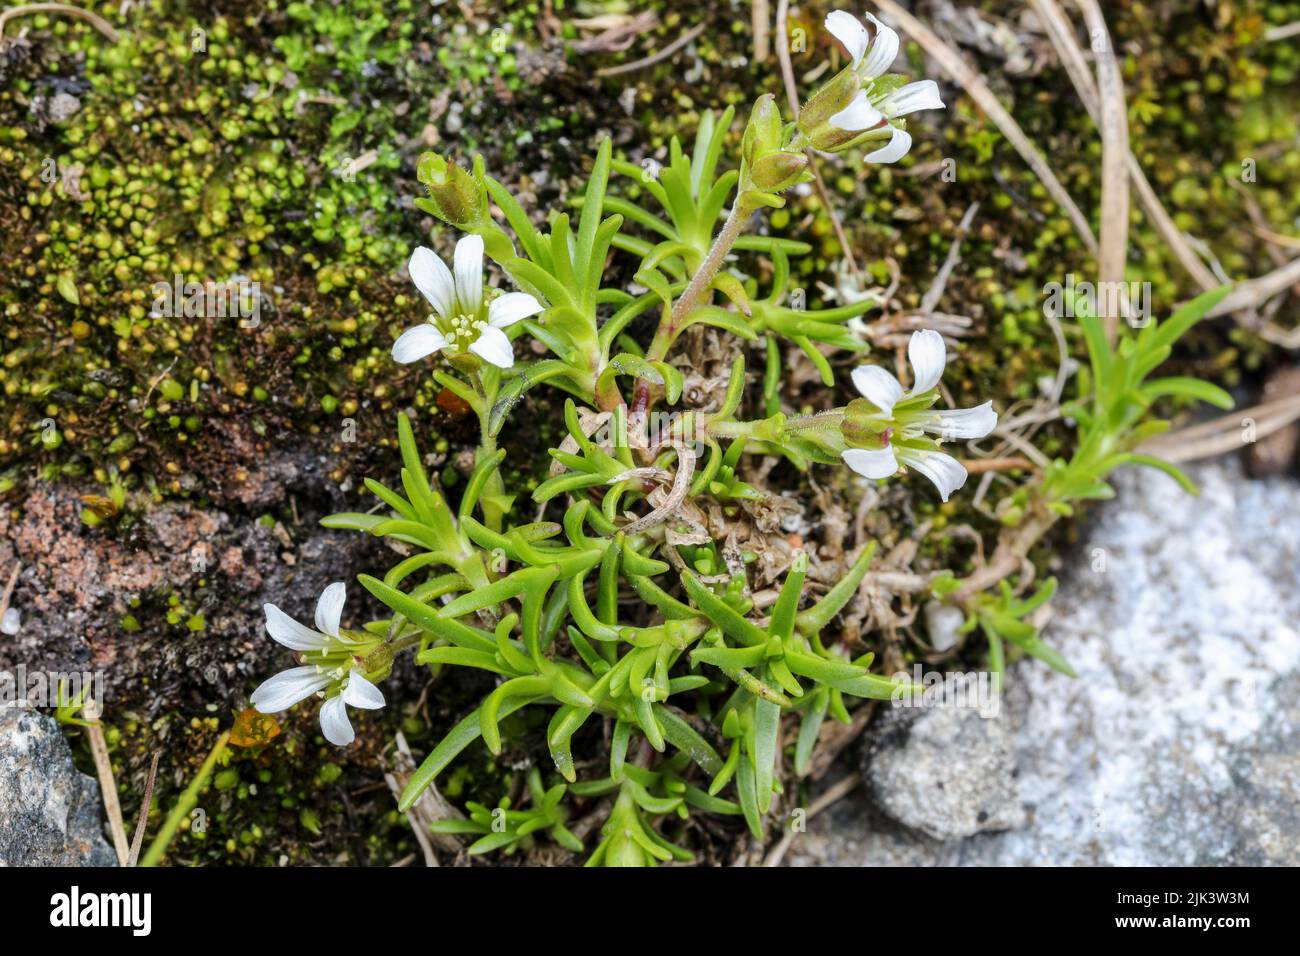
(434, 280)
(417, 342)
(921, 95)
(883, 52)
(467, 262)
(359, 692)
(329, 609)
(927, 355)
(945, 471)
(505, 310)
(288, 688)
(962, 424)
(877, 386)
(858, 115)
(871, 463)
(849, 30)
(899, 145)
(285, 630)
(493, 346)
(334, 723)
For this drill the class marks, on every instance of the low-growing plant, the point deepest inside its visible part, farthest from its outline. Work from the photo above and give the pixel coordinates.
(625, 605)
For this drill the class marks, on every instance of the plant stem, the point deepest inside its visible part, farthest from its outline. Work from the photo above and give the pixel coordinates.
(184, 805)
(1013, 547)
(741, 210)
(694, 293)
(487, 390)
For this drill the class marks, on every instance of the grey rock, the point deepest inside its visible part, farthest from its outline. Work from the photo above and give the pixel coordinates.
(945, 771)
(942, 624)
(49, 811)
(1179, 741)
(63, 106)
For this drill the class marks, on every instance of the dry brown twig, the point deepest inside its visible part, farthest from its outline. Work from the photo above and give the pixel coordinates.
(142, 821)
(107, 786)
(1225, 433)
(977, 466)
(1113, 124)
(429, 807)
(950, 262)
(617, 31)
(1282, 32)
(760, 12)
(27, 9)
(656, 57)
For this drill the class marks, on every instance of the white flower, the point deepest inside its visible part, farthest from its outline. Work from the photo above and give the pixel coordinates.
(334, 672)
(874, 108)
(909, 429)
(871, 58)
(460, 321)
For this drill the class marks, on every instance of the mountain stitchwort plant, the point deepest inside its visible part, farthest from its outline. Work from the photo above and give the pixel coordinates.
(669, 645)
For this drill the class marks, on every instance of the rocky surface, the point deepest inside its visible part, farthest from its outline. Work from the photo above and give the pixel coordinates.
(1178, 743)
(945, 771)
(50, 812)
(168, 604)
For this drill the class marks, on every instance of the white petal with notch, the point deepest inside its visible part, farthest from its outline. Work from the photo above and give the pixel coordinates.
(871, 463)
(287, 688)
(849, 30)
(505, 310)
(962, 424)
(285, 630)
(334, 723)
(928, 356)
(945, 471)
(883, 52)
(899, 145)
(359, 692)
(493, 346)
(467, 261)
(921, 95)
(329, 609)
(858, 115)
(877, 386)
(417, 342)
(432, 277)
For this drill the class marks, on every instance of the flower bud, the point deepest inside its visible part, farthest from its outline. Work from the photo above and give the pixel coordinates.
(863, 425)
(778, 170)
(455, 196)
(763, 132)
(833, 98)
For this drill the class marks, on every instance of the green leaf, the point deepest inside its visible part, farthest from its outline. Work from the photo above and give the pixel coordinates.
(67, 287)
(1184, 387)
(460, 737)
(767, 730)
(1173, 328)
